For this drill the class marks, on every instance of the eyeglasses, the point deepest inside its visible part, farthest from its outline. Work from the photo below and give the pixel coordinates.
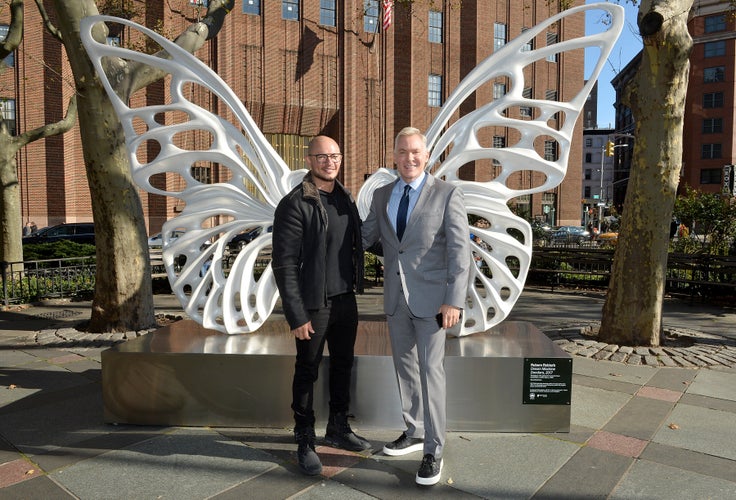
(322, 158)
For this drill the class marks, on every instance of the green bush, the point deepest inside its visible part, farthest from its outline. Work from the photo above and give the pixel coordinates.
(57, 250)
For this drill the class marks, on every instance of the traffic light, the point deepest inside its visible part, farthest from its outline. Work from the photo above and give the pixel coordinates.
(609, 148)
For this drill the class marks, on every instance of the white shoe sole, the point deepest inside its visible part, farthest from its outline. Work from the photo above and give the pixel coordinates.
(429, 481)
(404, 451)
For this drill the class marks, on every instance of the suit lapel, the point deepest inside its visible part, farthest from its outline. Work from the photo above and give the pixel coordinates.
(421, 202)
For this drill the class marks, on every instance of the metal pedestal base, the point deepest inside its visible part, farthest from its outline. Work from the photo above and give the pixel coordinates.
(183, 374)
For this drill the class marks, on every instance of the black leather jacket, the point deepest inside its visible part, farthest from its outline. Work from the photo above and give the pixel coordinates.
(300, 248)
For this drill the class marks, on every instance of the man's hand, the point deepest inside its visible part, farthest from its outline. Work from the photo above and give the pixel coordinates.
(303, 332)
(450, 315)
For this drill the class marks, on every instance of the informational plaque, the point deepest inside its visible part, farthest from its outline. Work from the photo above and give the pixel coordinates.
(547, 381)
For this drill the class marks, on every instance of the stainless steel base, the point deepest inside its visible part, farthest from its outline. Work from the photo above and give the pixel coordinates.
(183, 374)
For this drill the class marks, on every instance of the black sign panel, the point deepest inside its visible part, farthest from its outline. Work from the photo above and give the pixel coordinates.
(547, 381)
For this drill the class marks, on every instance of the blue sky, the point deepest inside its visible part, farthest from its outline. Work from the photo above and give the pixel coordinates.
(627, 46)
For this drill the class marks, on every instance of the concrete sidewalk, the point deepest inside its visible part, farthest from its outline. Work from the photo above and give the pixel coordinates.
(638, 431)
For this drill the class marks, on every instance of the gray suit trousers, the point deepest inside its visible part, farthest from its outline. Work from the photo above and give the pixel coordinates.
(418, 347)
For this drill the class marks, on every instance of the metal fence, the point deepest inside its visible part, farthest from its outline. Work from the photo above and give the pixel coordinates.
(700, 276)
(38, 279)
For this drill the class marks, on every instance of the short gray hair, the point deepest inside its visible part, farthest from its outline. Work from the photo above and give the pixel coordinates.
(407, 131)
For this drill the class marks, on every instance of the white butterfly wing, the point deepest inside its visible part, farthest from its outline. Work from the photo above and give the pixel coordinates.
(507, 245)
(233, 298)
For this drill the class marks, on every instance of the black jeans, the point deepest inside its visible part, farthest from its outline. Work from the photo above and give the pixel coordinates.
(336, 324)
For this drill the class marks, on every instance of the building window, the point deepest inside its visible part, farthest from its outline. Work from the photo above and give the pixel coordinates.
(435, 26)
(434, 91)
(550, 150)
(588, 173)
(252, 7)
(714, 49)
(710, 175)
(586, 192)
(499, 90)
(588, 142)
(113, 41)
(370, 17)
(202, 174)
(588, 157)
(526, 111)
(7, 114)
(499, 36)
(712, 125)
(714, 74)
(10, 60)
(328, 12)
(499, 142)
(710, 151)
(715, 23)
(290, 10)
(551, 40)
(713, 100)
(550, 95)
(199, 3)
(528, 45)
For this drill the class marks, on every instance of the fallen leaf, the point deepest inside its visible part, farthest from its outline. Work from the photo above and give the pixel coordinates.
(30, 471)
(450, 481)
(673, 426)
(12, 386)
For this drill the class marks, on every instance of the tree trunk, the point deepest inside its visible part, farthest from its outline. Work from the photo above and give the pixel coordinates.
(10, 213)
(123, 298)
(632, 313)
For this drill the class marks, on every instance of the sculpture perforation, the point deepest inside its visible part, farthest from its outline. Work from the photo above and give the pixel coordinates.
(240, 303)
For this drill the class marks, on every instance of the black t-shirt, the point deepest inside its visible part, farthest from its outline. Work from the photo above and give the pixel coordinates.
(339, 264)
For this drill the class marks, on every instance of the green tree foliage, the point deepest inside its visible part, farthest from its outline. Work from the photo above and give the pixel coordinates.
(710, 219)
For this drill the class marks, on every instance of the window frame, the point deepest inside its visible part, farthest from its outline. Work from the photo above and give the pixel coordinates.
(716, 48)
(434, 90)
(714, 23)
(288, 14)
(713, 100)
(370, 16)
(500, 36)
(436, 23)
(712, 125)
(252, 7)
(714, 74)
(328, 13)
(711, 151)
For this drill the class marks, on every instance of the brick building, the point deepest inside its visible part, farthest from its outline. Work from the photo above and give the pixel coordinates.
(304, 68)
(710, 105)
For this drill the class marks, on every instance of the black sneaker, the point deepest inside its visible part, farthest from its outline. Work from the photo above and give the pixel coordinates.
(430, 471)
(403, 446)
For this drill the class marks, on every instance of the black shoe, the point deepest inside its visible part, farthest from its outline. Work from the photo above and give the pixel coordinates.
(430, 471)
(403, 446)
(308, 460)
(340, 435)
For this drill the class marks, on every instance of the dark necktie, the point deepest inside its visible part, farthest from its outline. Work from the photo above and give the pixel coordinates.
(401, 214)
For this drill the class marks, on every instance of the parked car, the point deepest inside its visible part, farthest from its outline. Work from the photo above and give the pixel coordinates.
(157, 240)
(240, 240)
(78, 232)
(570, 234)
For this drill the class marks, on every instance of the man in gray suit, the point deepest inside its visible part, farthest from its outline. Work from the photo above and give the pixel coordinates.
(422, 225)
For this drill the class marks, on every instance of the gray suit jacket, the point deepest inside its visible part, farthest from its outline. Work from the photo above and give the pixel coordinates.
(434, 253)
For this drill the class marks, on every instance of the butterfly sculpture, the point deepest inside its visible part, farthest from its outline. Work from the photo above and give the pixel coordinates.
(239, 297)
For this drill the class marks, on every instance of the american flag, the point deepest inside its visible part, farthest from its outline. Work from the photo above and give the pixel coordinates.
(388, 14)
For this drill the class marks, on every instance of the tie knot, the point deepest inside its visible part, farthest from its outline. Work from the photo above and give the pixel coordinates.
(406, 189)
